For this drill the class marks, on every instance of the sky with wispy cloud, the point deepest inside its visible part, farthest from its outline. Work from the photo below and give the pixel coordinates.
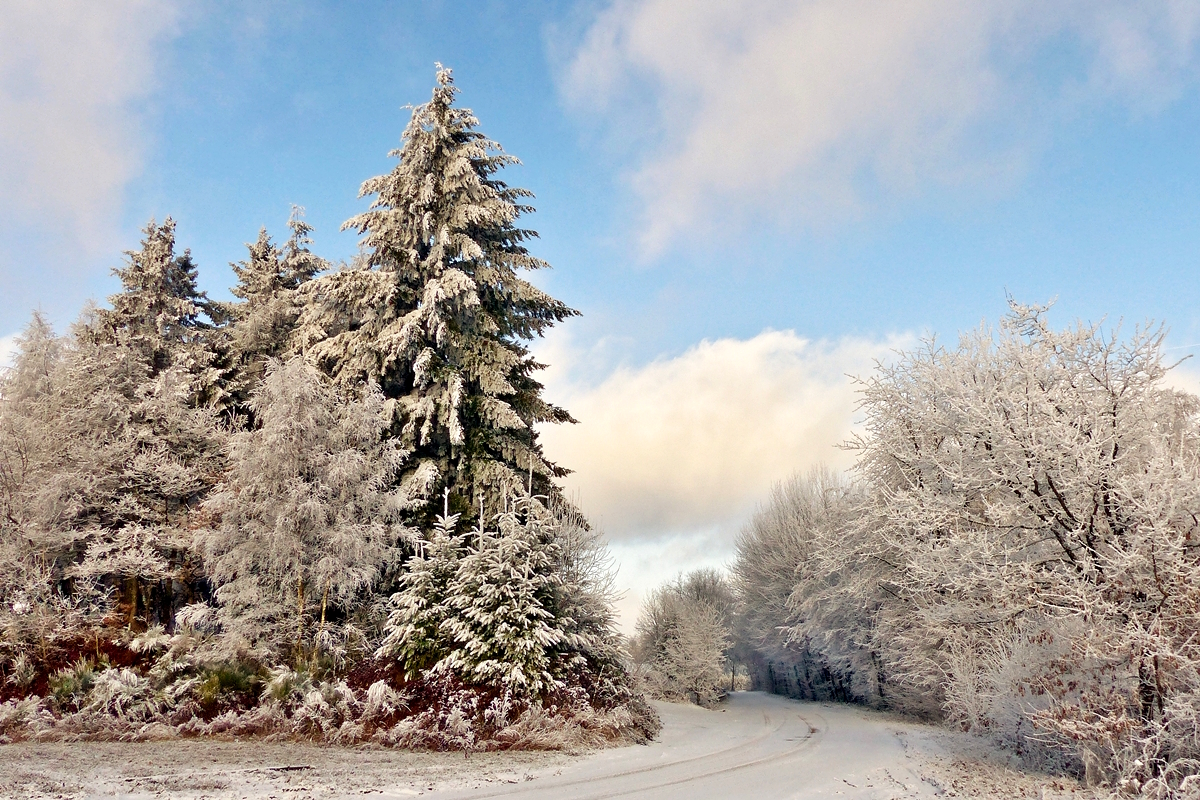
(750, 202)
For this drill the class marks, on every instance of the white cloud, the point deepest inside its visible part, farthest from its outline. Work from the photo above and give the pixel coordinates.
(811, 107)
(8, 350)
(670, 458)
(72, 76)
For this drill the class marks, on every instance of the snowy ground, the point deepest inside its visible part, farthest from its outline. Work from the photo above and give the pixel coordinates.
(756, 745)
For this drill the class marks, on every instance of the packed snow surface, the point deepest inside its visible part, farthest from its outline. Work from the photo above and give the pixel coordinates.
(753, 745)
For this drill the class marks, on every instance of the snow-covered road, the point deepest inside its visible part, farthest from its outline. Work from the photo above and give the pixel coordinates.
(755, 746)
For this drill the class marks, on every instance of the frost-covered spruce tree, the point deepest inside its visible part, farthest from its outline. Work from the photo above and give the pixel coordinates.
(504, 629)
(160, 314)
(416, 633)
(435, 311)
(140, 444)
(262, 323)
(306, 518)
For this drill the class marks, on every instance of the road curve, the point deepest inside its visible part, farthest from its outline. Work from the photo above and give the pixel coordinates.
(754, 746)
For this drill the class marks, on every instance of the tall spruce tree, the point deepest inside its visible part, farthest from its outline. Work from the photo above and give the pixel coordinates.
(435, 312)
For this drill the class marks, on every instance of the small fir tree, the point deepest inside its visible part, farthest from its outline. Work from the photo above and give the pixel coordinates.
(416, 634)
(503, 627)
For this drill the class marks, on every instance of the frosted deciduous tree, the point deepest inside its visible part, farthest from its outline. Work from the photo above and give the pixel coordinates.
(683, 635)
(806, 606)
(1036, 494)
(590, 653)
(306, 518)
(435, 311)
(35, 609)
(28, 418)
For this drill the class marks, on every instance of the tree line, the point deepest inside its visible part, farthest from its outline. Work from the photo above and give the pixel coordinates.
(1015, 552)
(319, 508)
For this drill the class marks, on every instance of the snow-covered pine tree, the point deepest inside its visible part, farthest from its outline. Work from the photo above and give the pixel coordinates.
(145, 442)
(436, 313)
(261, 325)
(306, 517)
(160, 314)
(415, 634)
(503, 626)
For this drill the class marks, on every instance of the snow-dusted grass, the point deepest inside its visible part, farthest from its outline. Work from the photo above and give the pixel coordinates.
(221, 769)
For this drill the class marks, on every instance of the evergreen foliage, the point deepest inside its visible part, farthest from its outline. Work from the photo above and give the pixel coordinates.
(416, 636)
(436, 313)
(261, 325)
(216, 517)
(159, 316)
(503, 621)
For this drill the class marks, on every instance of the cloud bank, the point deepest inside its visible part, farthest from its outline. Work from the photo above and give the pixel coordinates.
(671, 457)
(817, 108)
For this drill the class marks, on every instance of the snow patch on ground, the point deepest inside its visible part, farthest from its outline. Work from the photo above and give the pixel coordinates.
(959, 765)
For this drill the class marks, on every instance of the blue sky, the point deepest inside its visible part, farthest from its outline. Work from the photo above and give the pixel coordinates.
(746, 201)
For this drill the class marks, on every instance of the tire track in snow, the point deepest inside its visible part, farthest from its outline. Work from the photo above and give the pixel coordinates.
(597, 780)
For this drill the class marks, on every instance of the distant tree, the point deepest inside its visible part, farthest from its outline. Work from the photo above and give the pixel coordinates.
(683, 636)
(808, 597)
(435, 312)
